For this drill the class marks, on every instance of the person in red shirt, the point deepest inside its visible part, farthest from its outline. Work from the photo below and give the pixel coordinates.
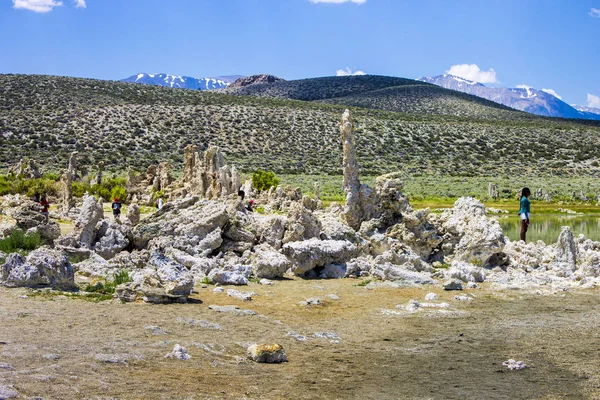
(45, 206)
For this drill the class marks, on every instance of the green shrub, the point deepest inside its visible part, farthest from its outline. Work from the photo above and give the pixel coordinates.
(79, 188)
(264, 180)
(20, 242)
(109, 286)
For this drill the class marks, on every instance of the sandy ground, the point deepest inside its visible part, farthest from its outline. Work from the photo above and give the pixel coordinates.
(56, 347)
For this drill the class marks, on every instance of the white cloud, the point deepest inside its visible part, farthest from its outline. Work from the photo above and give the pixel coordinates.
(595, 13)
(593, 101)
(80, 4)
(553, 93)
(40, 6)
(348, 72)
(338, 1)
(473, 73)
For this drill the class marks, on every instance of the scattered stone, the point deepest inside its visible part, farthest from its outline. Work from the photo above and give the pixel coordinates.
(431, 297)
(156, 330)
(115, 358)
(244, 296)
(6, 367)
(8, 392)
(267, 353)
(463, 298)
(412, 306)
(179, 352)
(333, 297)
(514, 364)
(314, 301)
(265, 281)
(218, 289)
(297, 336)
(326, 335)
(472, 285)
(453, 284)
(235, 310)
(52, 356)
(199, 323)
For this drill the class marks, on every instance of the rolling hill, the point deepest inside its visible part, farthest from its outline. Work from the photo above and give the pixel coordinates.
(429, 130)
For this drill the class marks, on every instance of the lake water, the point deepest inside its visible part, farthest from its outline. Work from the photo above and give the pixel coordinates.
(547, 227)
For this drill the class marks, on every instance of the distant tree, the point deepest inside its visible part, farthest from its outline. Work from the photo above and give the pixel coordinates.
(264, 180)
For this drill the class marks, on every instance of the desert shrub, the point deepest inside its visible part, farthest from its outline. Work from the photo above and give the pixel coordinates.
(19, 241)
(79, 188)
(109, 286)
(264, 180)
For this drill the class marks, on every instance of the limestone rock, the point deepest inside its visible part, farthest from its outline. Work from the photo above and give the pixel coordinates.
(191, 222)
(301, 224)
(452, 284)
(393, 272)
(27, 215)
(268, 262)
(95, 266)
(308, 254)
(566, 251)
(84, 232)
(475, 237)
(48, 232)
(113, 241)
(133, 214)
(232, 276)
(179, 352)
(42, 267)
(267, 353)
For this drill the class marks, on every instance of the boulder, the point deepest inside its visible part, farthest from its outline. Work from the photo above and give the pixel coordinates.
(453, 284)
(133, 214)
(267, 353)
(114, 240)
(309, 254)
(28, 215)
(48, 232)
(392, 272)
(301, 224)
(233, 275)
(84, 232)
(474, 237)
(268, 262)
(566, 251)
(187, 218)
(42, 267)
(95, 266)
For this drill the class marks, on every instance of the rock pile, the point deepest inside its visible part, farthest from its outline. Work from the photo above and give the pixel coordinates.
(208, 235)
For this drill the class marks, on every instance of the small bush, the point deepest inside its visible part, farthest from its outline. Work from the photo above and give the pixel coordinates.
(109, 286)
(20, 242)
(264, 180)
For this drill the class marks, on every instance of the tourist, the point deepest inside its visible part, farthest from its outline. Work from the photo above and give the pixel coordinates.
(525, 212)
(241, 194)
(45, 206)
(250, 206)
(116, 208)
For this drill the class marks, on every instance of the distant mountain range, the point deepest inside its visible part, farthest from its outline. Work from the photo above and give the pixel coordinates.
(525, 99)
(183, 82)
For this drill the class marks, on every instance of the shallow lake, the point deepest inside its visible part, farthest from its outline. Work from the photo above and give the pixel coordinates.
(547, 227)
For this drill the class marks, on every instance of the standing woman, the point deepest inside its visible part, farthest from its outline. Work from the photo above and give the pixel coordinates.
(525, 211)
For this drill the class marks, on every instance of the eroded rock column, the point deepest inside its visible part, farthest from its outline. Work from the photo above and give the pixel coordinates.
(67, 184)
(352, 211)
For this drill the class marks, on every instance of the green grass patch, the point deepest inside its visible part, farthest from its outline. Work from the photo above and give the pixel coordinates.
(364, 283)
(20, 242)
(107, 287)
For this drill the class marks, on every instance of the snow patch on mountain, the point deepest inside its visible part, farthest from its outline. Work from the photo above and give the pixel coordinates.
(176, 81)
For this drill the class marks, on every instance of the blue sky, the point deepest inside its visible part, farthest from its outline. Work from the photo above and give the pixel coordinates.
(546, 44)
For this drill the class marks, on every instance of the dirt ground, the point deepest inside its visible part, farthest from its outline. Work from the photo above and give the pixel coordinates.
(56, 347)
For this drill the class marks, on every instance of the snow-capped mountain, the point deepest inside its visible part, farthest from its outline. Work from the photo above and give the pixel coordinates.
(184, 82)
(523, 98)
(587, 109)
